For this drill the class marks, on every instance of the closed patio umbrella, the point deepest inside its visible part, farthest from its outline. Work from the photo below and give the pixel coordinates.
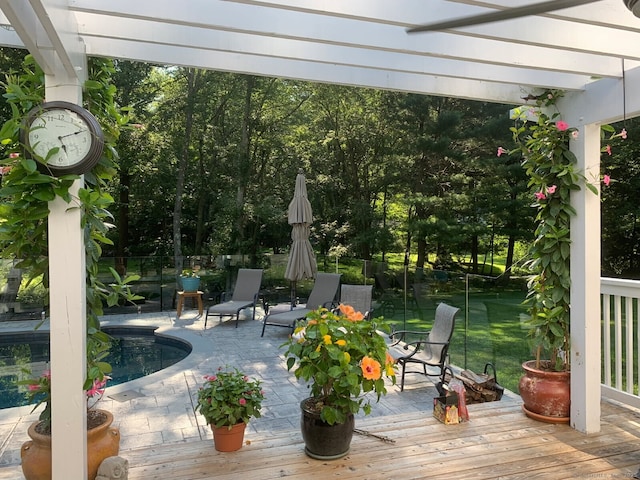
(302, 260)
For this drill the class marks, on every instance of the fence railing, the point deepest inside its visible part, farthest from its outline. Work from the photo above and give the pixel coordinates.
(490, 324)
(620, 339)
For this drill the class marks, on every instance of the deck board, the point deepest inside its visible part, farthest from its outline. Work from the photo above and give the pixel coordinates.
(498, 442)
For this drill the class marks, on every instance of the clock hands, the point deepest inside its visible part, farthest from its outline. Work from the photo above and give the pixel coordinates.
(70, 134)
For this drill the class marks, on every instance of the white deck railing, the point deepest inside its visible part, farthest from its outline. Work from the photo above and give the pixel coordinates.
(620, 339)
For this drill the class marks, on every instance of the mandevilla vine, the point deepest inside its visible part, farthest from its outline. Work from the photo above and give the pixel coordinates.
(551, 168)
(25, 193)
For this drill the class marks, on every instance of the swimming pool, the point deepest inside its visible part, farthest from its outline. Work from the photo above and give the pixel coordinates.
(135, 353)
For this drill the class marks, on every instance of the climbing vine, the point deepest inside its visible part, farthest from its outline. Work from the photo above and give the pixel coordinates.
(26, 191)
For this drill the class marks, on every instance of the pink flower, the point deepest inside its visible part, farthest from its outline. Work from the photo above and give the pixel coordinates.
(606, 180)
(501, 151)
(46, 374)
(210, 378)
(608, 149)
(561, 125)
(4, 170)
(242, 401)
(552, 189)
(575, 134)
(14, 155)
(540, 196)
(34, 387)
(623, 134)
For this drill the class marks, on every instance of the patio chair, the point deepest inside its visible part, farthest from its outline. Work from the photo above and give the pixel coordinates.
(245, 295)
(359, 297)
(430, 352)
(322, 294)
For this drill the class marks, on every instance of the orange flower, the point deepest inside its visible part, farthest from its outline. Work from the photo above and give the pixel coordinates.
(388, 366)
(341, 342)
(370, 368)
(327, 339)
(389, 358)
(351, 314)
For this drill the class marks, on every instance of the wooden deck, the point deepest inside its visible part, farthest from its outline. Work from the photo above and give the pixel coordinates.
(497, 442)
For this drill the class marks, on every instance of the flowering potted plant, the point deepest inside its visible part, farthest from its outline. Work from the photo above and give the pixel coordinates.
(227, 400)
(345, 358)
(551, 168)
(190, 279)
(103, 440)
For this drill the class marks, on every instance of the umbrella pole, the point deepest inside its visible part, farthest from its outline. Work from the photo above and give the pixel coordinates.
(293, 294)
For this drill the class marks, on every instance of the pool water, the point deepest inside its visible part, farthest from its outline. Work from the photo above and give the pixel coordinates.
(135, 353)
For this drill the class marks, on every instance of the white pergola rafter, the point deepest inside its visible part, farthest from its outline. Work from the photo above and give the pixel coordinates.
(592, 52)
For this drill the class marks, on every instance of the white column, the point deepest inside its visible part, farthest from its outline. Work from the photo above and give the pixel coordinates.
(68, 321)
(585, 287)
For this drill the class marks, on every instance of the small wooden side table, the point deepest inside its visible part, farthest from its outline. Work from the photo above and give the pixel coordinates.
(197, 295)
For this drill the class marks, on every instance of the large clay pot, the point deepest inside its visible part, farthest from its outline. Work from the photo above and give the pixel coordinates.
(102, 441)
(228, 439)
(324, 441)
(546, 394)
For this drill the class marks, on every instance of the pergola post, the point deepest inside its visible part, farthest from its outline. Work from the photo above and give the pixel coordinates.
(68, 317)
(585, 287)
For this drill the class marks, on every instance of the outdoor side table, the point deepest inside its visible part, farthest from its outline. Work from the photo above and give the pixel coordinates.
(194, 295)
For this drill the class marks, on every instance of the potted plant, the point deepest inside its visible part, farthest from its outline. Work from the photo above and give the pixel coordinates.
(543, 140)
(227, 400)
(190, 279)
(103, 440)
(345, 359)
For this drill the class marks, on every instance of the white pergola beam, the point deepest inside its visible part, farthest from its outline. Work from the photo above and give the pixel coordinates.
(49, 31)
(323, 29)
(311, 71)
(324, 53)
(605, 101)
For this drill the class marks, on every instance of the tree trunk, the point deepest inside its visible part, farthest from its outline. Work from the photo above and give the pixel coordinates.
(474, 254)
(244, 164)
(182, 166)
(122, 248)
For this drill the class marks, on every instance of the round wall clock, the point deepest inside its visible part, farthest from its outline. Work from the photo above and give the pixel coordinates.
(64, 137)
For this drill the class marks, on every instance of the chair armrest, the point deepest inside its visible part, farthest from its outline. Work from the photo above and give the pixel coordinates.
(400, 335)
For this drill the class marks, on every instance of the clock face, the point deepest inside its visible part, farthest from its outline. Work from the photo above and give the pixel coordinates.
(64, 138)
(63, 130)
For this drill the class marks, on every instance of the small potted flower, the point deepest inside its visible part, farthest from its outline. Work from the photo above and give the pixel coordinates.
(227, 400)
(190, 279)
(345, 359)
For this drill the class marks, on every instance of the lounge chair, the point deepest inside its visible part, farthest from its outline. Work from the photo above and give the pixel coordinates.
(323, 294)
(432, 348)
(245, 295)
(359, 297)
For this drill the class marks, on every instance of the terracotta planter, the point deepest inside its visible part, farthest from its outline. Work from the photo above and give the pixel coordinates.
(324, 441)
(228, 440)
(102, 441)
(546, 394)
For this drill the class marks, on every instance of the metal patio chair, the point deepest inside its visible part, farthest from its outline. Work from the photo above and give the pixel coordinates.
(245, 295)
(430, 352)
(322, 294)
